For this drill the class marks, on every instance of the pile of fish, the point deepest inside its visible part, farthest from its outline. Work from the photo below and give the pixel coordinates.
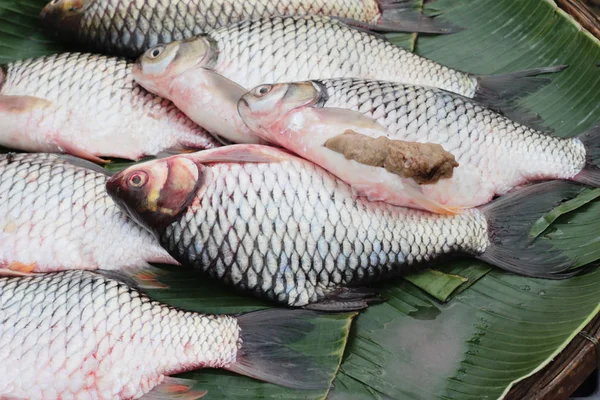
(295, 155)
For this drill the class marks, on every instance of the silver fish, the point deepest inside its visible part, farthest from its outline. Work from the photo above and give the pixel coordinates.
(89, 106)
(494, 153)
(55, 215)
(280, 227)
(206, 76)
(78, 334)
(124, 28)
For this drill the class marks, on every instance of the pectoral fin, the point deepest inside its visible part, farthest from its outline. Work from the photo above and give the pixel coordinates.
(22, 104)
(175, 388)
(349, 120)
(71, 148)
(16, 268)
(409, 196)
(242, 153)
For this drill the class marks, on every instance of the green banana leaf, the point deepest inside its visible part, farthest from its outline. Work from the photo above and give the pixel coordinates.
(462, 330)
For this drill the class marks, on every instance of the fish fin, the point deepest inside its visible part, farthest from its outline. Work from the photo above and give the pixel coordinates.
(500, 91)
(77, 151)
(590, 175)
(349, 119)
(347, 299)
(510, 219)
(174, 151)
(147, 277)
(242, 153)
(175, 388)
(16, 268)
(411, 193)
(120, 276)
(265, 355)
(22, 104)
(80, 162)
(143, 277)
(400, 16)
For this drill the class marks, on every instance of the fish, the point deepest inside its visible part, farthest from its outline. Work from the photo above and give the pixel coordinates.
(277, 226)
(494, 153)
(119, 27)
(55, 215)
(80, 334)
(205, 76)
(89, 106)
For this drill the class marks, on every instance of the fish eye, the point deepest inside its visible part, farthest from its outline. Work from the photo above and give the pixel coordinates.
(137, 179)
(263, 90)
(155, 52)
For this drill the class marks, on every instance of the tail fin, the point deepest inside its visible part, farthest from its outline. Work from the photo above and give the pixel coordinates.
(510, 219)
(265, 354)
(591, 173)
(400, 16)
(500, 91)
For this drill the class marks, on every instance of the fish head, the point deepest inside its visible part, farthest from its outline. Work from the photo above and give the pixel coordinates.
(160, 65)
(265, 106)
(155, 193)
(64, 15)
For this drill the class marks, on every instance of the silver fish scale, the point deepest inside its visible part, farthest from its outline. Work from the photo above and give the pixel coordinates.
(80, 335)
(277, 50)
(129, 28)
(59, 216)
(102, 91)
(479, 138)
(293, 233)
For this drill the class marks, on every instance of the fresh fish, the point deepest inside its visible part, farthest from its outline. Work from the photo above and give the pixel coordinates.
(55, 215)
(89, 106)
(124, 28)
(206, 76)
(494, 153)
(280, 227)
(78, 334)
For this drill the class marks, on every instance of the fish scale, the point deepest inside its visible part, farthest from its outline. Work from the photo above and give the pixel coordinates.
(93, 104)
(271, 50)
(109, 340)
(298, 253)
(51, 204)
(128, 28)
(494, 153)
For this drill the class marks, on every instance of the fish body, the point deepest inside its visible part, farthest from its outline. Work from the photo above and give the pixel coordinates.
(55, 215)
(78, 334)
(283, 228)
(494, 153)
(89, 106)
(125, 28)
(204, 75)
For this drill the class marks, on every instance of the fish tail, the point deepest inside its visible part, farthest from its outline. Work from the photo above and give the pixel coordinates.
(510, 219)
(401, 16)
(501, 90)
(265, 355)
(590, 175)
